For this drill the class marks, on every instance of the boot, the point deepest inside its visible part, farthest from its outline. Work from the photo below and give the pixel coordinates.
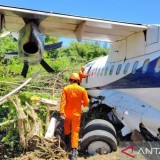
(74, 154)
(67, 140)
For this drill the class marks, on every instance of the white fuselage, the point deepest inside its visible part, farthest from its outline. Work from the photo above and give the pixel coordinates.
(97, 82)
(132, 69)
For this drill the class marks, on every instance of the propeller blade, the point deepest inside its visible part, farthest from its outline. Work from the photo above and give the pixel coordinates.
(46, 66)
(53, 46)
(25, 70)
(10, 55)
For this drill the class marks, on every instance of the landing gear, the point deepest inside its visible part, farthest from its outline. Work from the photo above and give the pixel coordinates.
(98, 141)
(99, 124)
(98, 137)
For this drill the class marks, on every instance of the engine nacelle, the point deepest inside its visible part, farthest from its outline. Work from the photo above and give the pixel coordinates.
(31, 44)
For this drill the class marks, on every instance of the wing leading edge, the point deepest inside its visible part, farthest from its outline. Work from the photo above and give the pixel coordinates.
(68, 26)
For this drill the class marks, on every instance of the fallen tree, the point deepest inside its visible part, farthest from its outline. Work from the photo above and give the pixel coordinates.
(30, 129)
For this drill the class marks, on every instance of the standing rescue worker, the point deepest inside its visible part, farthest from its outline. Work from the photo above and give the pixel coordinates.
(72, 98)
(81, 74)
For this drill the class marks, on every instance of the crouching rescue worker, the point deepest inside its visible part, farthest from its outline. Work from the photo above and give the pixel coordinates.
(72, 98)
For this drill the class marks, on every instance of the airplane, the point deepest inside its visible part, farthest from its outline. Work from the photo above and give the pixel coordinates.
(125, 82)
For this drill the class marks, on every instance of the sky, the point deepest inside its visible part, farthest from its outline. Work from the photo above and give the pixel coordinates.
(132, 11)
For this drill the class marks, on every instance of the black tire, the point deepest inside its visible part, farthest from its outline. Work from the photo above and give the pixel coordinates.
(97, 136)
(99, 124)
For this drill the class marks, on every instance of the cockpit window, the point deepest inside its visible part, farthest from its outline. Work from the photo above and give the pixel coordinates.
(88, 73)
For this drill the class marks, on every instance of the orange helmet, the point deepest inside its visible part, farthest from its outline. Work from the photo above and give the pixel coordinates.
(75, 76)
(83, 68)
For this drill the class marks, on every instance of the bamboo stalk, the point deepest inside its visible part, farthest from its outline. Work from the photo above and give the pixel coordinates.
(47, 117)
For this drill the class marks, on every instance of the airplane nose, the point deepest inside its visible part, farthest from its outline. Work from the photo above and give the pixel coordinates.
(30, 47)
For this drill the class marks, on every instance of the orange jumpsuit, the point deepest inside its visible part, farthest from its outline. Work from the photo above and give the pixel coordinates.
(82, 75)
(73, 96)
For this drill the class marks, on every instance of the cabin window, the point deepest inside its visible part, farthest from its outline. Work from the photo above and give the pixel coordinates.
(98, 72)
(95, 73)
(145, 66)
(106, 71)
(126, 68)
(111, 70)
(92, 72)
(135, 66)
(102, 71)
(157, 69)
(90, 75)
(118, 69)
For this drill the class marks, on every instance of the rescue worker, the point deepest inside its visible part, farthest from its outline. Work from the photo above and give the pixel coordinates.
(72, 98)
(81, 74)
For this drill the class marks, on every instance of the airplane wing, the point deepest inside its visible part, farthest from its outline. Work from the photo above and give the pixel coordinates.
(67, 25)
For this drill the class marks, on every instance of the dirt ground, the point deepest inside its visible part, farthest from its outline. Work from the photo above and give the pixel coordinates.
(111, 156)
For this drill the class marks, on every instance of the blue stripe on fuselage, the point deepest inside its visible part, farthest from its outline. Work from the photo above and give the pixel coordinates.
(150, 79)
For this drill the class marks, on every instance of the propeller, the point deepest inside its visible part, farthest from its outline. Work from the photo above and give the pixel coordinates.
(46, 66)
(53, 46)
(42, 61)
(10, 55)
(25, 69)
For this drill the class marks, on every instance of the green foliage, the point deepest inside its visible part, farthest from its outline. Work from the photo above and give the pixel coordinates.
(7, 44)
(87, 51)
(8, 112)
(51, 39)
(73, 56)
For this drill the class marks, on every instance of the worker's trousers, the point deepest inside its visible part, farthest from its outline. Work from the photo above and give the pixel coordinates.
(72, 125)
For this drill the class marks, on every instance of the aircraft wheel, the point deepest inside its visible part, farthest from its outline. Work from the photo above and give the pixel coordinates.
(99, 124)
(98, 141)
